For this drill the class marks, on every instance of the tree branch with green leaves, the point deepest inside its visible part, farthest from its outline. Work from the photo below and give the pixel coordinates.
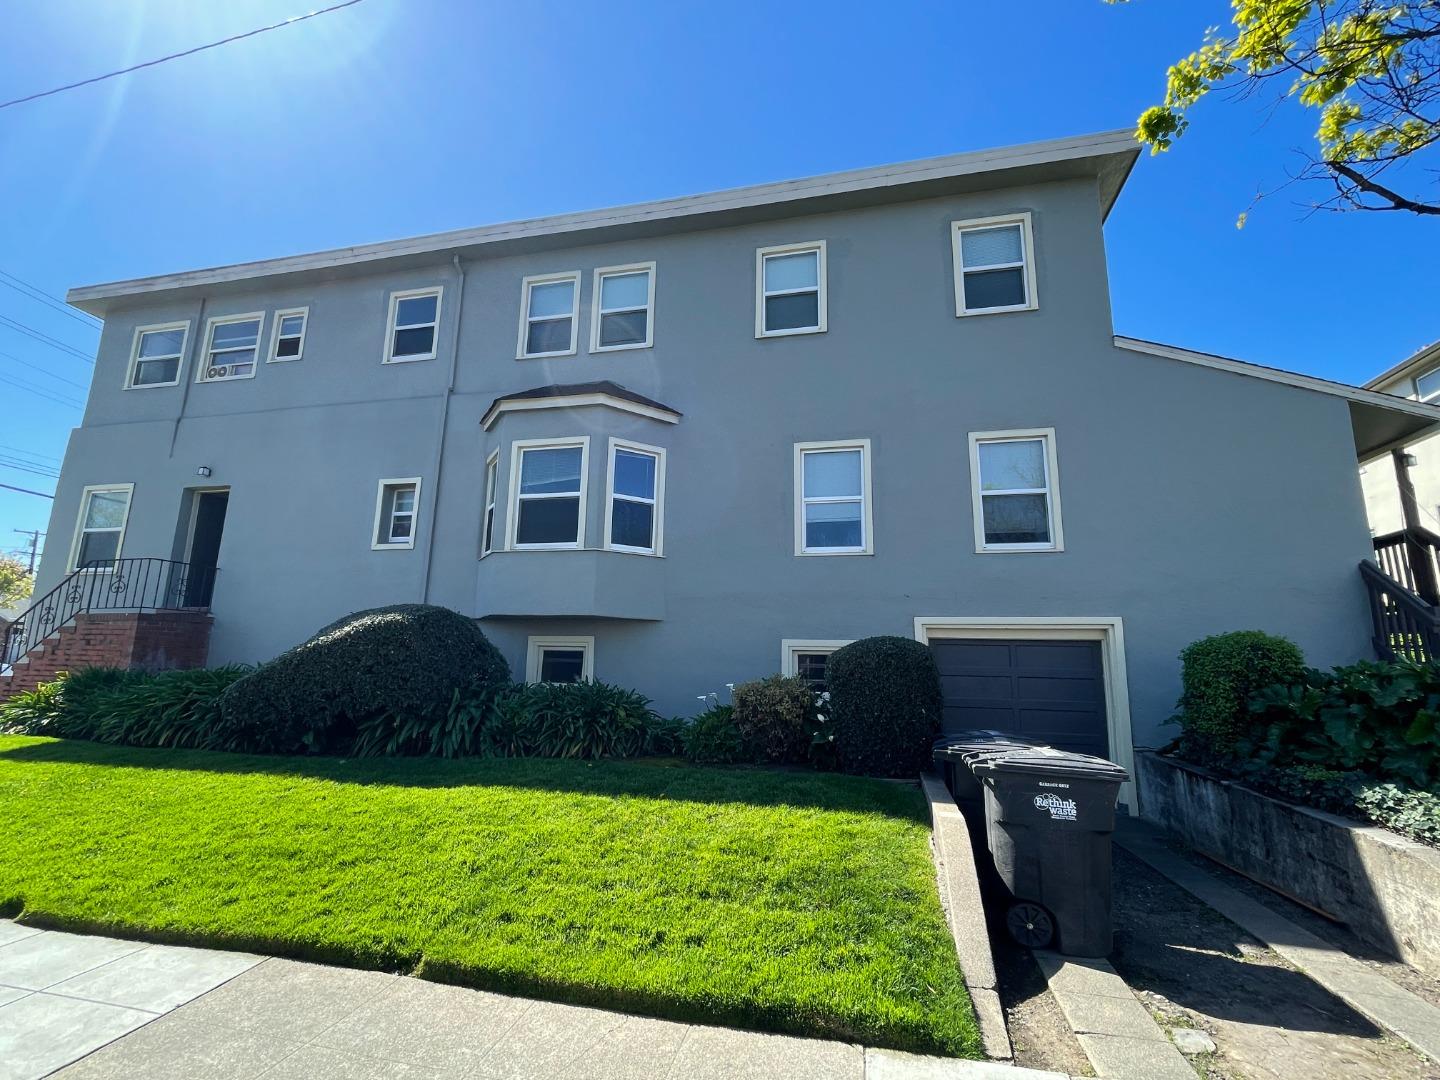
(1371, 70)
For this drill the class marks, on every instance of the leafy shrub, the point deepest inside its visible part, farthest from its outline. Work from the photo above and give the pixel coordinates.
(885, 705)
(407, 661)
(33, 712)
(1415, 814)
(1218, 675)
(776, 715)
(665, 736)
(713, 738)
(565, 720)
(1378, 719)
(133, 708)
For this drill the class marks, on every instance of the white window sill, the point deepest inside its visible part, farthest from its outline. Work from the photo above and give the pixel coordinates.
(791, 333)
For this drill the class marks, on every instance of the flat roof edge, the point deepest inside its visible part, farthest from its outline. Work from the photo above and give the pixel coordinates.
(1072, 148)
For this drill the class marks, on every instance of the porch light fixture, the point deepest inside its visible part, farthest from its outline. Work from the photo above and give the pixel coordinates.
(203, 470)
(1411, 461)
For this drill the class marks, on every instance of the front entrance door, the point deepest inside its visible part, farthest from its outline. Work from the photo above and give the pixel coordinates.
(207, 521)
(1051, 692)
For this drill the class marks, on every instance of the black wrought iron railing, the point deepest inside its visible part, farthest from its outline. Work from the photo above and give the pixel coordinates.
(123, 585)
(1405, 626)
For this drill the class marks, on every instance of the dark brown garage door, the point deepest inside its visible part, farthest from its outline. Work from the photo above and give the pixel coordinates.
(1050, 691)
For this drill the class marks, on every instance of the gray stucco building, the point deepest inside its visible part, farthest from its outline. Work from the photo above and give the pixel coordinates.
(688, 443)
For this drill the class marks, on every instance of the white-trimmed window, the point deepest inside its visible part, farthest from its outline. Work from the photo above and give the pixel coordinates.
(832, 498)
(397, 506)
(100, 528)
(413, 326)
(560, 659)
(232, 346)
(547, 315)
(994, 265)
(492, 482)
(547, 482)
(808, 658)
(157, 354)
(287, 339)
(634, 511)
(1016, 496)
(1427, 386)
(790, 290)
(624, 305)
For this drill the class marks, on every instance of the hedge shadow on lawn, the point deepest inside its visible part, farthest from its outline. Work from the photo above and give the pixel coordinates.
(656, 778)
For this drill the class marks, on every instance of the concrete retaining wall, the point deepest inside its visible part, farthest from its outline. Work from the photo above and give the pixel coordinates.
(1382, 885)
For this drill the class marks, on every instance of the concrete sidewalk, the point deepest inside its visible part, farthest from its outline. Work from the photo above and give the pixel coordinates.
(86, 1008)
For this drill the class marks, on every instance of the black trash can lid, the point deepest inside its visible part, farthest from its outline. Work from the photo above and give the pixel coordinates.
(1048, 761)
(958, 743)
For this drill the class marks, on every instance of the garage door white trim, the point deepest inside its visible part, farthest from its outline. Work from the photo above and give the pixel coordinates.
(1110, 632)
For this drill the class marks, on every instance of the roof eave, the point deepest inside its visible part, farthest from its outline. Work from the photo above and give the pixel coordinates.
(1420, 417)
(1109, 156)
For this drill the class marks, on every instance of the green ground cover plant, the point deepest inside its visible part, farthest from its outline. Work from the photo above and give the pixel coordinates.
(785, 900)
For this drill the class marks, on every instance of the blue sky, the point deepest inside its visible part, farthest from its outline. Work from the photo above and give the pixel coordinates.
(397, 117)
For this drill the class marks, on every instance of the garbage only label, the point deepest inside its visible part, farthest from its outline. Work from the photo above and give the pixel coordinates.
(1060, 809)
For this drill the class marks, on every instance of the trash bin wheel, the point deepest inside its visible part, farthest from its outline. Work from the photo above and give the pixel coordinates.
(1030, 925)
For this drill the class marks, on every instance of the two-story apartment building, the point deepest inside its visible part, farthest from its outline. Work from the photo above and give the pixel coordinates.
(692, 442)
(1416, 377)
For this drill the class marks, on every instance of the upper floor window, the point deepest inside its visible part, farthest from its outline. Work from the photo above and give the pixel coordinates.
(100, 530)
(156, 357)
(1016, 500)
(832, 498)
(1427, 386)
(633, 515)
(492, 480)
(287, 341)
(396, 505)
(624, 302)
(547, 477)
(994, 267)
(790, 290)
(413, 326)
(231, 347)
(547, 315)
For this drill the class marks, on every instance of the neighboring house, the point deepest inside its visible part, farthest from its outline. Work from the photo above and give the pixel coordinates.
(683, 443)
(1417, 377)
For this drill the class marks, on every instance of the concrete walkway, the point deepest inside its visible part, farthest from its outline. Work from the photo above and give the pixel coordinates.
(87, 1008)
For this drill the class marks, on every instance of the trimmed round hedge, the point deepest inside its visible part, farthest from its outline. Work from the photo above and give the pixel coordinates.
(406, 660)
(1219, 673)
(885, 704)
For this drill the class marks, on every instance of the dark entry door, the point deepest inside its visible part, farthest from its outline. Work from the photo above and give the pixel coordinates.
(204, 555)
(1050, 691)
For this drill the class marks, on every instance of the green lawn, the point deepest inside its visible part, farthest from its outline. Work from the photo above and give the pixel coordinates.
(789, 901)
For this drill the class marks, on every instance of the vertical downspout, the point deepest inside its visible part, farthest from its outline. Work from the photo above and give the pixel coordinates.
(440, 438)
(192, 343)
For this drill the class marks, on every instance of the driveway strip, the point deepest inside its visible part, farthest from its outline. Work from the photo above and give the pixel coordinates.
(1372, 995)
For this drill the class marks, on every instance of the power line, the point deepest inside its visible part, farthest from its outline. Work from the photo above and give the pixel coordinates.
(29, 453)
(20, 466)
(30, 331)
(43, 371)
(178, 55)
(26, 491)
(44, 298)
(40, 392)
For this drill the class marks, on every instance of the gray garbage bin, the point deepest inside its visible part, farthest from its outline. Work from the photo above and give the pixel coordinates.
(1049, 816)
(956, 753)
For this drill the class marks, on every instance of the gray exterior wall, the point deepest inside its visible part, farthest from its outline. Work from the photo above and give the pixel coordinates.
(1194, 500)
